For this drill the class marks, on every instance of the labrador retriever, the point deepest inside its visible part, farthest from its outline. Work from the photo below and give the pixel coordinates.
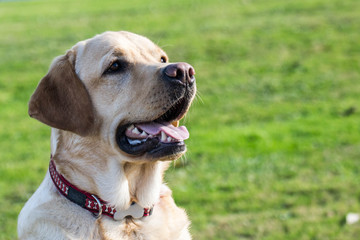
(114, 103)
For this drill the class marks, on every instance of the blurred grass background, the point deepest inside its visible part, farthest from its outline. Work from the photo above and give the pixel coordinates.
(275, 145)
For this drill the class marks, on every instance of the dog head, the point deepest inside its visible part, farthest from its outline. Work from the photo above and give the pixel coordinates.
(120, 88)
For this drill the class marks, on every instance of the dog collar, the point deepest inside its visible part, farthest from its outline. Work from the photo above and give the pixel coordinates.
(91, 202)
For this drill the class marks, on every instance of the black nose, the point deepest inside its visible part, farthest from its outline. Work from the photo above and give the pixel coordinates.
(183, 72)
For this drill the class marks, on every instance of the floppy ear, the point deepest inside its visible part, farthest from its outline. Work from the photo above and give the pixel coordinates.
(61, 99)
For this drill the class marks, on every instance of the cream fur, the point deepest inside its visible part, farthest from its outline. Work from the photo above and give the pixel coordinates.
(95, 163)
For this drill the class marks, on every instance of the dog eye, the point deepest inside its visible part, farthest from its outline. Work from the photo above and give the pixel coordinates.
(115, 67)
(163, 59)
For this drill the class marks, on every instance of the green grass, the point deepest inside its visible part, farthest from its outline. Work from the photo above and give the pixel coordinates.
(275, 132)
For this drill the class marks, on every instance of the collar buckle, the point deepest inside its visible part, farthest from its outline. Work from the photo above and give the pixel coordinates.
(100, 207)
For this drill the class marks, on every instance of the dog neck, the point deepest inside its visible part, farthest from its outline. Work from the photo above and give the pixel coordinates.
(96, 168)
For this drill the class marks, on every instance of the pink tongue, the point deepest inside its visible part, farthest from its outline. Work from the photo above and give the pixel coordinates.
(153, 128)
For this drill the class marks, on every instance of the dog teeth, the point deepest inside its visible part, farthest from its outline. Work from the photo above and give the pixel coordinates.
(163, 137)
(143, 134)
(134, 142)
(131, 127)
(135, 130)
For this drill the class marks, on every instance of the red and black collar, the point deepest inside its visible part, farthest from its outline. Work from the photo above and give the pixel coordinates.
(91, 202)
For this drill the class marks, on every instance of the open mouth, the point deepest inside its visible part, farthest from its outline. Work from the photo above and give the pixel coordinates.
(157, 138)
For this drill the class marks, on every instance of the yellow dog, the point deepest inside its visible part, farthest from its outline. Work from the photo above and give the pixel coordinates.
(113, 102)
